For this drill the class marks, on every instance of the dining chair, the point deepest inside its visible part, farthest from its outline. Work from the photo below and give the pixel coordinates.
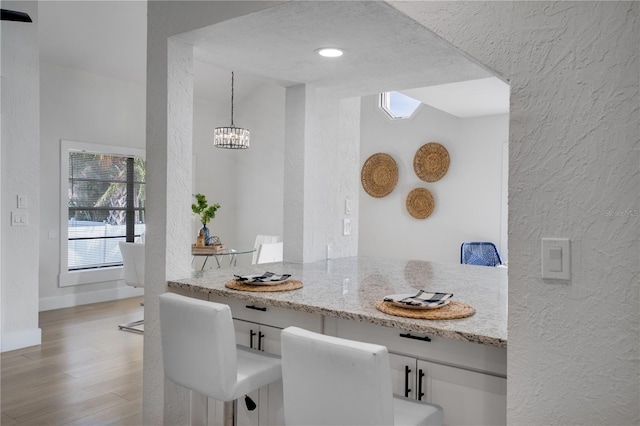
(270, 252)
(480, 253)
(200, 353)
(260, 239)
(133, 269)
(332, 381)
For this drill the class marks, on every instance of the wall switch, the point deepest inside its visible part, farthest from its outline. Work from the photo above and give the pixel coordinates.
(556, 256)
(346, 227)
(347, 206)
(19, 219)
(23, 201)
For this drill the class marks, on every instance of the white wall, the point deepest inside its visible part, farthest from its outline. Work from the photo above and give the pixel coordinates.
(260, 170)
(322, 136)
(20, 176)
(467, 199)
(214, 172)
(574, 172)
(84, 107)
(248, 184)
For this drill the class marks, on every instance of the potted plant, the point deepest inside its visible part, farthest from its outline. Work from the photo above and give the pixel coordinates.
(206, 212)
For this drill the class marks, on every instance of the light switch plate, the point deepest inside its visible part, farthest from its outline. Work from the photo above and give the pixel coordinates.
(556, 258)
(346, 227)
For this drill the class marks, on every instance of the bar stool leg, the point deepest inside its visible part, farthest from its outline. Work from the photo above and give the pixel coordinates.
(230, 413)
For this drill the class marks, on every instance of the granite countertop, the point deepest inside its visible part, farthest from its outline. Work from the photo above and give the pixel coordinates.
(349, 287)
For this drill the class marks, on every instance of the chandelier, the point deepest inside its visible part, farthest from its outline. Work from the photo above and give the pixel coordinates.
(231, 137)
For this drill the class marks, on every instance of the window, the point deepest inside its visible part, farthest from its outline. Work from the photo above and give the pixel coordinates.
(398, 106)
(103, 199)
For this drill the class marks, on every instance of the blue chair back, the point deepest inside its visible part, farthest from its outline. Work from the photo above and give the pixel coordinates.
(480, 253)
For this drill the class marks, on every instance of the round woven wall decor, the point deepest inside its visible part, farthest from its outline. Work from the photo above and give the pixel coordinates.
(431, 162)
(379, 175)
(420, 203)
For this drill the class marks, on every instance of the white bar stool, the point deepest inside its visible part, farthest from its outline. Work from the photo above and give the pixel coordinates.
(332, 381)
(200, 352)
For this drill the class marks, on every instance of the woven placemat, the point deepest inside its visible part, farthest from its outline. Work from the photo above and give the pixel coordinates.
(379, 175)
(285, 286)
(420, 203)
(453, 310)
(431, 162)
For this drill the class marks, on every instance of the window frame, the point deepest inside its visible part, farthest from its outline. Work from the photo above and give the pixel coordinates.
(67, 278)
(384, 101)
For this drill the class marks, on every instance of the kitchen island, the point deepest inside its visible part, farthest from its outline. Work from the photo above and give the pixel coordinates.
(348, 288)
(459, 364)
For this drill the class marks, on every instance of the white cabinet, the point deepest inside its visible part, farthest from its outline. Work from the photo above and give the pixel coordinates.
(467, 380)
(269, 400)
(259, 327)
(408, 378)
(467, 397)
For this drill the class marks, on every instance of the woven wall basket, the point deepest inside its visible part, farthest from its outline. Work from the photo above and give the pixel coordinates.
(420, 203)
(431, 162)
(379, 175)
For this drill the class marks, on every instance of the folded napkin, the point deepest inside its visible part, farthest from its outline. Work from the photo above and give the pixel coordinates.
(422, 298)
(264, 278)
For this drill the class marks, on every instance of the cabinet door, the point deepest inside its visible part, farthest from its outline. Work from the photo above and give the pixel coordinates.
(403, 375)
(246, 335)
(467, 397)
(271, 397)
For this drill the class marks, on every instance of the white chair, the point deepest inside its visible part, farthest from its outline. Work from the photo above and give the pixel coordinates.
(332, 381)
(200, 353)
(133, 268)
(270, 252)
(260, 239)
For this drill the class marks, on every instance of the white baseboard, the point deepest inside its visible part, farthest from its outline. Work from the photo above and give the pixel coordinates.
(21, 339)
(76, 299)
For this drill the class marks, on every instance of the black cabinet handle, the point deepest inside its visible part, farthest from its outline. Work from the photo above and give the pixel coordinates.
(256, 308)
(409, 336)
(260, 336)
(251, 334)
(407, 370)
(420, 377)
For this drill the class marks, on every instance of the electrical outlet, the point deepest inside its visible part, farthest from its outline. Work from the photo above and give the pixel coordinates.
(19, 219)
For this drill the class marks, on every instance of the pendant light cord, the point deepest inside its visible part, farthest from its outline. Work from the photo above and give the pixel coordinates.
(232, 78)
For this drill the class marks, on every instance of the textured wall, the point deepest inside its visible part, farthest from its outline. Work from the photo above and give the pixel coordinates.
(169, 159)
(20, 176)
(574, 172)
(322, 136)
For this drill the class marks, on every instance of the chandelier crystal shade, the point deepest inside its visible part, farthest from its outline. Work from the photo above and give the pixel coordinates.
(231, 137)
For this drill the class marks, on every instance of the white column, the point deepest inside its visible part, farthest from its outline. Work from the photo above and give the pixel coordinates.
(168, 217)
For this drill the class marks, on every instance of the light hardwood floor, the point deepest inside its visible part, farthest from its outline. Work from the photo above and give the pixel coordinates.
(86, 372)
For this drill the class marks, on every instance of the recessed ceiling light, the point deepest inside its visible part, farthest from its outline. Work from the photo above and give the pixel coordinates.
(329, 52)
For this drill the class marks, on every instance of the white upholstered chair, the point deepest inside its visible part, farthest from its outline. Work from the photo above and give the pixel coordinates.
(332, 381)
(260, 239)
(133, 269)
(270, 252)
(200, 353)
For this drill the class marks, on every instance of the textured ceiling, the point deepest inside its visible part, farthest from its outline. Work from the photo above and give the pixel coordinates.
(384, 50)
